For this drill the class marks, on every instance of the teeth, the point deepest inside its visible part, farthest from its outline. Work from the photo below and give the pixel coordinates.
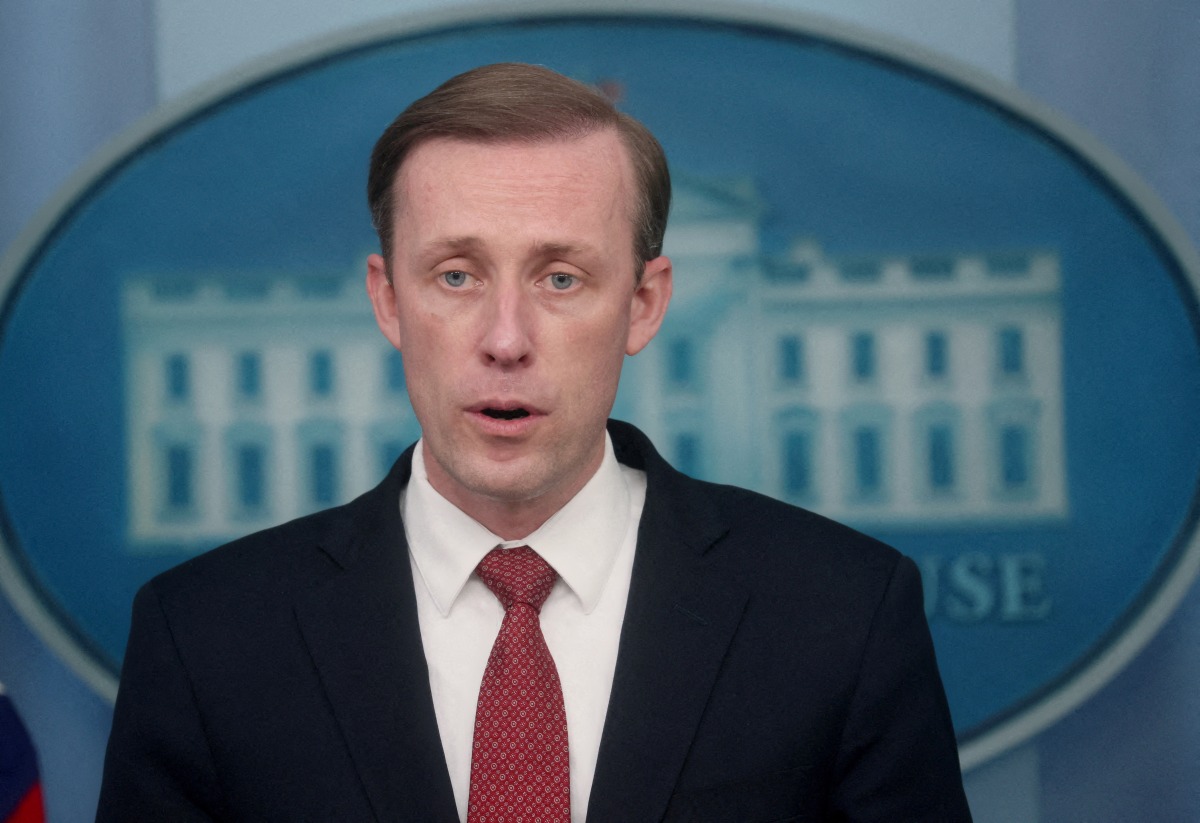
(506, 414)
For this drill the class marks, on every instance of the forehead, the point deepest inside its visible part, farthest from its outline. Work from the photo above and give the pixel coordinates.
(595, 166)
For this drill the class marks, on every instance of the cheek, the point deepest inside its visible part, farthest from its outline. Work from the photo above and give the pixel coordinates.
(428, 365)
(423, 331)
(593, 361)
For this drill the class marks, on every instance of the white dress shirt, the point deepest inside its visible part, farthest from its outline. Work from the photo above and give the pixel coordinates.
(590, 543)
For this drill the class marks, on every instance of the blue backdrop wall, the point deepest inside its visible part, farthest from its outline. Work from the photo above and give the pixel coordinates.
(70, 81)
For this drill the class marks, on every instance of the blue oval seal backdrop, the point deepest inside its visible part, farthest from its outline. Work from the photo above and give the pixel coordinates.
(905, 299)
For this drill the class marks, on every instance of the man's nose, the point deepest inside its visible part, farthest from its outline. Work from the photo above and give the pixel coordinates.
(508, 338)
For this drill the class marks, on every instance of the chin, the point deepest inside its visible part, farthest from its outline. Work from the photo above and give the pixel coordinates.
(502, 481)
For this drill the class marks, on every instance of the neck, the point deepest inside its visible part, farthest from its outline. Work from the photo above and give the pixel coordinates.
(512, 521)
(511, 518)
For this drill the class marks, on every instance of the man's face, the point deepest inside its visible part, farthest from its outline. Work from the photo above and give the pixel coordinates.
(514, 302)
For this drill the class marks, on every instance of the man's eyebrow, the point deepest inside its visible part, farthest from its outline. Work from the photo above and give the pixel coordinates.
(469, 244)
(552, 249)
(451, 245)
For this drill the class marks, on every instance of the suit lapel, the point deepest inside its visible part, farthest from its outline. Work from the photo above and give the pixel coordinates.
(679, 620)
(362, 633)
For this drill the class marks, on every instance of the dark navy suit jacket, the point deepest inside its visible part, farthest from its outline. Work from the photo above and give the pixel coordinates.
(773, 666)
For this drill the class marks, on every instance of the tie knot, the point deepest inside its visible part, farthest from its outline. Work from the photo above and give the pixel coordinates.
(517, 575)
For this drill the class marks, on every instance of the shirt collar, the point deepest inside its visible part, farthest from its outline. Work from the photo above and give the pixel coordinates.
(580, 541)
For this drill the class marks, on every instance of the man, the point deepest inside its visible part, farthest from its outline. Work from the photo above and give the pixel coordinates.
(702, 652)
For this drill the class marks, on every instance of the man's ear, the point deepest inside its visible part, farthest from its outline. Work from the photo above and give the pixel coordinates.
(649, 304)
(383, 299)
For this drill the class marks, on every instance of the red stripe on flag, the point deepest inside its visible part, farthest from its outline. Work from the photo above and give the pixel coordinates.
(30, 809)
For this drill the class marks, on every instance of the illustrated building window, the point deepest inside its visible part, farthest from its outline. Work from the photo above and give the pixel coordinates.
(251, 461)
(862, 357)
(320, 373)
(796, 438)
(320, 287)
(1011, 351)
(941, 457)
(249, 375)
(868, 461)
(681, 365)
(178, 378)
(861, 271)
(323, 473)
(798, 464)
(393, 371)
(791, 359)
(687, 453)
(180, 478)
(246, 288)
(319, 449)
(247, 479)
(175, 289)
(786, 271)
(1015, 457)
(176, 477)
(1008, 264)
(389, 450)
(937, 363)
(1014, 469)
(386, 440)
(933, 268)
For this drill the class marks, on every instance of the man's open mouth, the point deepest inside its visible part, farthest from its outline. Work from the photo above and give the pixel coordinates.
(506, 414)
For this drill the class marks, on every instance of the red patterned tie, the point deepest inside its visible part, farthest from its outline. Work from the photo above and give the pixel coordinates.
(519, 767)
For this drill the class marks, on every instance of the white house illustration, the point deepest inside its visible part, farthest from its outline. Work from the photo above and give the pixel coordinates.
(896, 389)
(899, 389)
(252, 398)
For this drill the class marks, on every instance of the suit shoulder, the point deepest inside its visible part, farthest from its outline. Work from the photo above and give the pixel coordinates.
(793, 540)
(279, 557)
(745, 508)
(296, 552)
(746, 524)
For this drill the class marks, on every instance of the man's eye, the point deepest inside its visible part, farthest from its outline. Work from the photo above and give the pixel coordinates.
(455, 278)
(562, 281)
